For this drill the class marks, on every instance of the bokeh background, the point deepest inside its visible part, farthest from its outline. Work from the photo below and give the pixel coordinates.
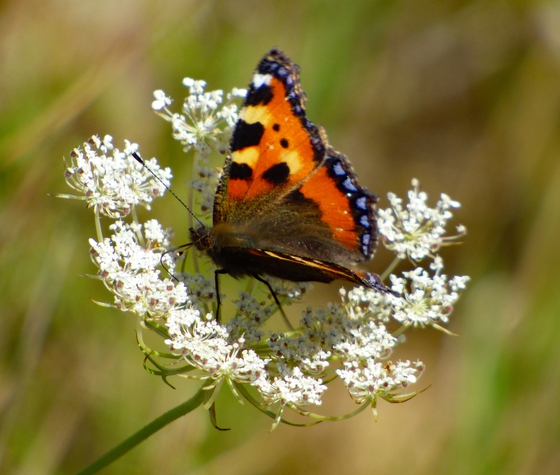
(463, 95)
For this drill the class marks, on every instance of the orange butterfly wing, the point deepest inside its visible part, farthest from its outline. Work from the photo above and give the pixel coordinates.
(274, 147)
(288, 205)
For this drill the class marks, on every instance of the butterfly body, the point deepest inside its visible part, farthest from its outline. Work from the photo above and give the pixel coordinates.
(288, 205)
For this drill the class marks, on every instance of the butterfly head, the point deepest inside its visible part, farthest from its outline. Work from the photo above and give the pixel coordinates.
(202, 237)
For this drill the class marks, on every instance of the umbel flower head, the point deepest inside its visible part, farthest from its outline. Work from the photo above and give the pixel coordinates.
(353, 341)
(112, 181)
(416, 231)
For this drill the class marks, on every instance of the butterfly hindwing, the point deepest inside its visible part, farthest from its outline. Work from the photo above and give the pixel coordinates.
(346, 208)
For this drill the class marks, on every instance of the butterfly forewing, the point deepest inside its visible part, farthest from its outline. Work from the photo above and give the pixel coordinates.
(274, 147)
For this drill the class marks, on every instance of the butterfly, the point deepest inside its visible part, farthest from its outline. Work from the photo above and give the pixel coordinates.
(288, 205)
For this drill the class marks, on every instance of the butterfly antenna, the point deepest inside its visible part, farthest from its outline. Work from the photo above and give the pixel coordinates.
(181, 249)
(141, 161)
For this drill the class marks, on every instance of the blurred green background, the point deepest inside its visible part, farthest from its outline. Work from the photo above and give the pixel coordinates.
(463, 95)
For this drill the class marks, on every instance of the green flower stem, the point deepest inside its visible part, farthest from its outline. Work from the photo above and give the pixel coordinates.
(145, 432)
(98, 230)
(390, 269)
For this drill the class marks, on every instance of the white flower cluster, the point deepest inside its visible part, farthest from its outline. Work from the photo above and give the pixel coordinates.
(426, 299)
(205, 122)
(130, 271)
(350, 341)
(417, 231)
(112, 181)
(208, 346)
(375, 378)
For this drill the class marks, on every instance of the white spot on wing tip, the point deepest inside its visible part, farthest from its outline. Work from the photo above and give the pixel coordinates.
(261, 79)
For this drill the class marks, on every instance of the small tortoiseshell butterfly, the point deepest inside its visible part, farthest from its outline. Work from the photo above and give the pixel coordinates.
(288, 205)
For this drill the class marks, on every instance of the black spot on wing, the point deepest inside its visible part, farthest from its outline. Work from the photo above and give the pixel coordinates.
(259, 96)
(277, 174)
(246, 135)
(240, 171)
(298, 199)
(276, 127)
(284, 143)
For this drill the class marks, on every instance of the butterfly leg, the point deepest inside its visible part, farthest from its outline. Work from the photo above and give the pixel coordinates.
(274, 296)
(217, 272)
